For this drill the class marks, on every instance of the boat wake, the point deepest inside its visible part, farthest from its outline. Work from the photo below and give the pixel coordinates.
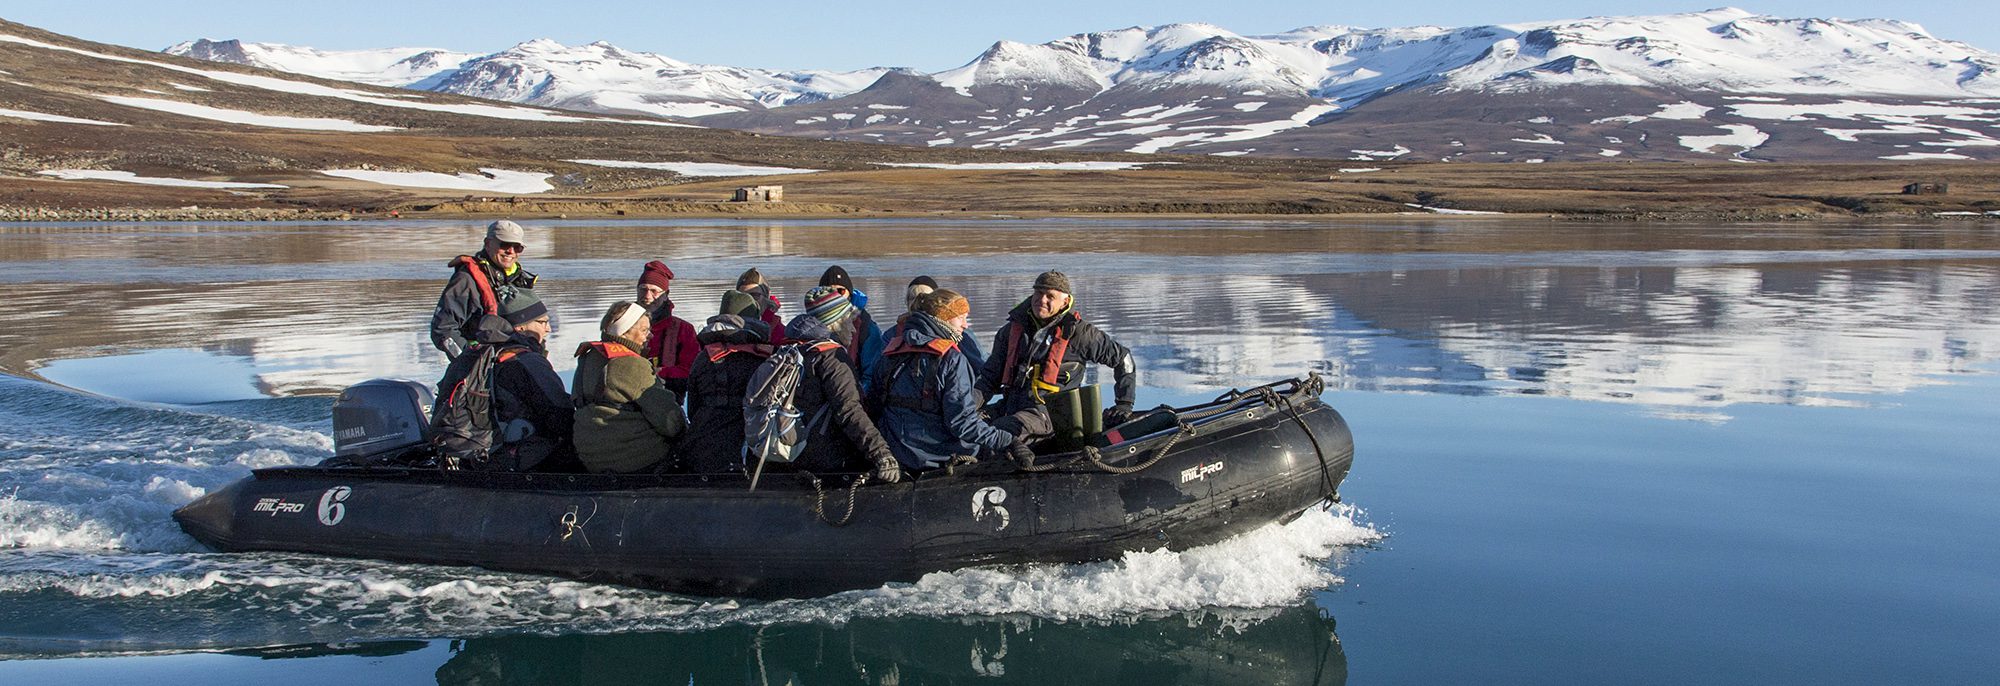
(91, 561)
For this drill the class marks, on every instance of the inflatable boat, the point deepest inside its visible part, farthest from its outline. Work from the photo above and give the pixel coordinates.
(1174, 478)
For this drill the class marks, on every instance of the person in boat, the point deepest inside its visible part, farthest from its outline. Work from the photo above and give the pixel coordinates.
(858, 334)
(919, 286)
(733, 343)
(1043, 349)
(671, 347)
(923, 392)
(532, 416)
(841, 437)
(468, 309)
(752, 282)
(626, 419)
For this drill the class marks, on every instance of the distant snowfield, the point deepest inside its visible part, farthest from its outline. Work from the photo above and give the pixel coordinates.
(1683, 110)
(490, 180)
(699, 168)
(56, 118)
(188, 109)
(1742, 136)
(1852, 109)
(129, 177)
(1446, 210)
(1918, 156)
(1027, 166)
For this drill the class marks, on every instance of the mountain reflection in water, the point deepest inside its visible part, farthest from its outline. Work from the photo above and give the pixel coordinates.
(1689, 320)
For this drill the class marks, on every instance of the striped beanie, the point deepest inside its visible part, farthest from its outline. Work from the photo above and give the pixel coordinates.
(829, 305)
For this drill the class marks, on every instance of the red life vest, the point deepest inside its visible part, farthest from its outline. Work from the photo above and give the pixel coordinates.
(899, 345)
(1051, 363)
(717, 351)
(611, 351)
(477, 271)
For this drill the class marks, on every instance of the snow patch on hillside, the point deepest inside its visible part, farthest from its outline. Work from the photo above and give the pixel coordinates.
(489, 180)
(188, 109)
(699, 168)
(54, 118)
(1025, 166)
(1743, 136)
(129, 177)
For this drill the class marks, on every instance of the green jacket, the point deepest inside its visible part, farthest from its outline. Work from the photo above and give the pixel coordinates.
(625, 420)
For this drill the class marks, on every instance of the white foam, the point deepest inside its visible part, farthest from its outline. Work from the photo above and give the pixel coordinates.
(491, 180)
(1271, 567)
(129, 177)
(699, 168)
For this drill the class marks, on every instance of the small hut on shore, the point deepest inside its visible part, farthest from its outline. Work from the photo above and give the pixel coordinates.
(1926, 188)
(759, 194)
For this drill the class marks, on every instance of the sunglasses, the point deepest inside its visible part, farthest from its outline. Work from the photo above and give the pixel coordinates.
(512, 247)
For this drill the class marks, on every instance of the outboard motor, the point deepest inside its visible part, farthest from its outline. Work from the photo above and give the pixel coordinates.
(380, 420)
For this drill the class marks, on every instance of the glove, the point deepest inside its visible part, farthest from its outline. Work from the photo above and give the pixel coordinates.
(887, 471)
(1117, 414)
(1021, 454)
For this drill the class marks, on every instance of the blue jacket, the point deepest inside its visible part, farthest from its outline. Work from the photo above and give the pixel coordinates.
(966, 344)
(924, 396)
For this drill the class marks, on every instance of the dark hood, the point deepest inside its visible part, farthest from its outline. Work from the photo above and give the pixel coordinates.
(729, 328)
(920, 328)
(806, 327)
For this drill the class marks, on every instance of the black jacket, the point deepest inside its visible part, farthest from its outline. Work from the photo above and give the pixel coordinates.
(731, 350)
(455, 322)
(525, 388)
(1086, 344)
(843, 437)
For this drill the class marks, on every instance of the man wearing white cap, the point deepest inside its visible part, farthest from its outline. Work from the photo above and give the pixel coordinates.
(469, 309)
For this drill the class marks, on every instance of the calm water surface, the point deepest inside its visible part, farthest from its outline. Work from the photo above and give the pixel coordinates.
(1585, 454)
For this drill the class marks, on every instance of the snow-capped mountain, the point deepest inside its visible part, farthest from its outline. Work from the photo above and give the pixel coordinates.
(598, 77)
(400, 67)
(1723, 84)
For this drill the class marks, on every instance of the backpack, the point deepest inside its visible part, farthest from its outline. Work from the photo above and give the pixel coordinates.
(772, 431)
(462, 425)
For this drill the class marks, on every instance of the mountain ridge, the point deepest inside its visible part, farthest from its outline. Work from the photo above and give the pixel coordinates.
(1200, 88)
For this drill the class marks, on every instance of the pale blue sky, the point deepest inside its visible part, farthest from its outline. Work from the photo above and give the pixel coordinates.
(931, 35)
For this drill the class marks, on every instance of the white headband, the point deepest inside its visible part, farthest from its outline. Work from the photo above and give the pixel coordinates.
(626, 320)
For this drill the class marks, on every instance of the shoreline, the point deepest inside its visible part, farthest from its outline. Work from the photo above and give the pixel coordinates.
(618, 210)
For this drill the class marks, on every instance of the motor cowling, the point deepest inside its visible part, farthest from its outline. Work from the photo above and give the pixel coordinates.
(381, 418)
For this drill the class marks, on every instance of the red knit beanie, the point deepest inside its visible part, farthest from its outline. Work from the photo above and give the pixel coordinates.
(656, 274)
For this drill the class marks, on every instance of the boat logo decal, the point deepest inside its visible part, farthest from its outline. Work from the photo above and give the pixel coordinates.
(331, 509)
(986, 503)
(277, 506)
(1200, 471)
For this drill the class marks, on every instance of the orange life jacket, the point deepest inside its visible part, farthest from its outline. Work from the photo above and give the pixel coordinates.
(1051, 363)
(487, 299)
(611, 351)
(899, 345)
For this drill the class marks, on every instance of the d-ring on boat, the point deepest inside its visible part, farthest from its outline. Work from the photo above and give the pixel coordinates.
(1245, 459)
